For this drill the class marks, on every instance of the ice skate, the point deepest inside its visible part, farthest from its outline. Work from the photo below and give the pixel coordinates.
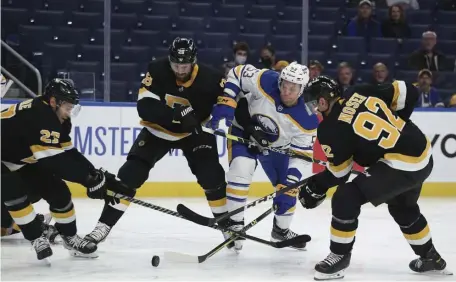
(235, 226)
(431, 263)
(332, 267)
(79, 247)
(99, 234)
(278, 235)
(42, 248)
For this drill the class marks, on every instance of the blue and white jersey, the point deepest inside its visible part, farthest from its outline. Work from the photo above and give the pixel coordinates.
(290, 127)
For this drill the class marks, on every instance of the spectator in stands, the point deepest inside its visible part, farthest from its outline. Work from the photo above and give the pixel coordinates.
(428, 94)
(452, 102)
(379, 74)
(267, 55)
(364, 24)
(315, 68)
(396, 26)
(427, 57)
(240, 54)
(280, 66)
(345, 76)
(405, 4)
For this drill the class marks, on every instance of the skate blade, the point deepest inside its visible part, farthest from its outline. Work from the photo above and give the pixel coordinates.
(323, 276)
(436, 272)
(77, 254)
(293, 247)
(45, 262)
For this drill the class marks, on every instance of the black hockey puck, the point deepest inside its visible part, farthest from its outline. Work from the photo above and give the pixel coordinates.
(155, 261)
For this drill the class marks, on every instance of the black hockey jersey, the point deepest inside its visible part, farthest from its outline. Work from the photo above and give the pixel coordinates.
(364, 129)
(160, 92)
(31, 131)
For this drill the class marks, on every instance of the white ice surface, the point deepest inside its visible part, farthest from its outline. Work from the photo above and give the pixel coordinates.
(380, 252)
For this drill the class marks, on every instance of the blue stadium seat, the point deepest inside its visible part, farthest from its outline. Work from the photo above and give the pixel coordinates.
(284, 42)
(262, 12)
(350, 13)
(223, 25)
(383, 45)
(92, 52)
(381, 14)
(446, 17)
(32, 5)
(118, 90)
(137, 54)
(33, 37)
(168, 8)
(446, 46)
(402, 62)
(352, 58)
(50, 18)
(418, 29)
(427, 5)
(408, 76)
(387, 59)
(162, 23)
(351, 44)
(93, 6)
(136, 6)
(124, 71)
(319, 43)
(171, 35)
(13, 17)
(327, 3)
(446, 32)
(322, 28)
(255, 41)
(364, 76)
(72, 35)
(146, 38)
(238, 2)
(256, 26)
(229, 11)
(445, 80)
(59, 53)
(217, 40)
(61, 5)
(93, 67)
(287, 27)
(87, 20)
(159, 53)
(124, 21)
(189, 23)
(288, 56)
(292, 3)
(325, 14)
(420, 17)
(196, 9)
(291, 13)
(118, 37)
(268, 2)
(410, 45)
(210, 56)
(319, 56)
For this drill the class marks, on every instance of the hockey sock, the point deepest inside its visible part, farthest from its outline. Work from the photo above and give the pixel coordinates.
(65, 219)
(25, 217)
(236, 195)
(217, 199)
(418, 235)
(112, 213)
(342, 235)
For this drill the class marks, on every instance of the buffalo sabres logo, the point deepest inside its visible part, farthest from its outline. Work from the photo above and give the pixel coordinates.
(267, 125)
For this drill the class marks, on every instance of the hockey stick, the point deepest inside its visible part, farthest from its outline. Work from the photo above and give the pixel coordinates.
(282, 244)
(206, 221)
(290, 153)
(200, 259)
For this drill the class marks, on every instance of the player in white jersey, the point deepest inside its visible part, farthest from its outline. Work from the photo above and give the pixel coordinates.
(276, 117)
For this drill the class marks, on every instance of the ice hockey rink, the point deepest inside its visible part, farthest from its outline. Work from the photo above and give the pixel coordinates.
(380, 253)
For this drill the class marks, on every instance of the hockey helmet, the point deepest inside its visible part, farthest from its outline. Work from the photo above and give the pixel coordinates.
(320, 87)
(63, 91)
(182, 51)
(295, 73)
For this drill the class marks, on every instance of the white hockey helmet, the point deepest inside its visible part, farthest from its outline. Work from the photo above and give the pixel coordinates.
(295, 73)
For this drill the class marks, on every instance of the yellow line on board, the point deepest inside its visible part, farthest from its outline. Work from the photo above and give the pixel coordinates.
(257, 189)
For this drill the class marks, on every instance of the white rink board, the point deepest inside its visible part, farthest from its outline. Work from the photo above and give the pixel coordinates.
(104, 134)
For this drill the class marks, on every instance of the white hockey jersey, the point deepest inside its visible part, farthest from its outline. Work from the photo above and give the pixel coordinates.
(293, 127)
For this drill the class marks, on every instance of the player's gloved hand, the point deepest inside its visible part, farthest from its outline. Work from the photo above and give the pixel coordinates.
(95, 184)
(309, 196)
(115, 185)
(257, 135)
(224, 109)
(186, 116)
(283, 202)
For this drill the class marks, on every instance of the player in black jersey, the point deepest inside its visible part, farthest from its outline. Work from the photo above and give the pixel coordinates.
(35, 134)
(176, 97)
(372, 128)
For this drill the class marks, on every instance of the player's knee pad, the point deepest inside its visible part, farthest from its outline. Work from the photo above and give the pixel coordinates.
(404, 215)
(134, 172)
(239, 177)
(285, 204)
(347, 201)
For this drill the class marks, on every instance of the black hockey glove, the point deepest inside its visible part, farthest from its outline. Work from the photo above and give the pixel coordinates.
(309, 197)
(256, 134)
(115, 185)
(186, 116)
(95, 184)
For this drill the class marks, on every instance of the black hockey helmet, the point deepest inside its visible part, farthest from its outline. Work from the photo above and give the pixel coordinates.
(61, 90)
(320, 87)
(182, 51)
